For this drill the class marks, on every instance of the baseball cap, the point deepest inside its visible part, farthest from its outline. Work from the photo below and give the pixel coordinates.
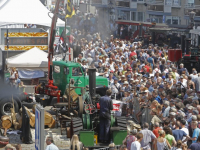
(123, 76)
(173, 113)
(116, 79)
(161, 87)
(196, 112)
(163, 77)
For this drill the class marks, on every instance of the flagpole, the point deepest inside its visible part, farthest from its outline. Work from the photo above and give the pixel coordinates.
(65, 37)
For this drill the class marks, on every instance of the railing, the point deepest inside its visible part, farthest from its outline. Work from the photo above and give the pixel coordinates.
(122, 4)
(155, 8)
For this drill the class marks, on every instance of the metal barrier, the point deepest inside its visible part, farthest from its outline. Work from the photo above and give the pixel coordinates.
(146, 117)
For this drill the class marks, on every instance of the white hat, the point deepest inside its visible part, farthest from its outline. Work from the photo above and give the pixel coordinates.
(131, 79)
(125, 82)
(89, 54)
(123, 76)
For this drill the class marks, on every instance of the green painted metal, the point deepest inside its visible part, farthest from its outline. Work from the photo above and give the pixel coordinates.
(84, 121)
(119, 136)
(87, 138)
(62, 77)
(88, 121)
(112, 121)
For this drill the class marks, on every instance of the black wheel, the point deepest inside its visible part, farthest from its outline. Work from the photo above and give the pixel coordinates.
(29, 105)
(6, 104)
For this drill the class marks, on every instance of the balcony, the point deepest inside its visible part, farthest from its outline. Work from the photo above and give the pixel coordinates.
(159, 8)
(122, 3)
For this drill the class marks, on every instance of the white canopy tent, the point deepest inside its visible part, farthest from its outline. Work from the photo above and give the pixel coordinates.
(33, 59)
(25, 12)
(30, 64)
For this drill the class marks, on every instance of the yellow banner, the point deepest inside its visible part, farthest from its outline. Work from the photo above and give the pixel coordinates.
(16, 48)
(26, 34)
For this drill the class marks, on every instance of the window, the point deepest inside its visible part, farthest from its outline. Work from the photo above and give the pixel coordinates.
(140, 16)
(76, 71)
(134, 16)
(57, 69)
(66, 70)
(168, 2)
(124, 15)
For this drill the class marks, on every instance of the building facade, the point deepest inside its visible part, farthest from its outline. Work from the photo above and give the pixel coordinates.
(172, 12)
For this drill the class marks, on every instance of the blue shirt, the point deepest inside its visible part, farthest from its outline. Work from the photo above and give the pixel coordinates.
(158, 99)
(178, 134)
(195, 134)
(166, 112)
(151, 89)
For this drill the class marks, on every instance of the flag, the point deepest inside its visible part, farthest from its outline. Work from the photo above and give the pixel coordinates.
(70, 9)
(61, 46)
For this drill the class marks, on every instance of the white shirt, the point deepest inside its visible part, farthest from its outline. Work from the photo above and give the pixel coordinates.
(115, 88)
(52, 147)
(187, 132)
(135, 145)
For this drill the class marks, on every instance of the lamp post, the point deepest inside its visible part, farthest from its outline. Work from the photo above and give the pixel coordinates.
(192, 15)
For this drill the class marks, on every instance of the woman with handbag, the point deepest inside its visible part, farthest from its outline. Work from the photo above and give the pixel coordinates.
(161, 143)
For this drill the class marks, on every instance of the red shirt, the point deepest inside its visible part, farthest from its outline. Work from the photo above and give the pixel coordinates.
(147, 67)
(155, 131)
(132, 54)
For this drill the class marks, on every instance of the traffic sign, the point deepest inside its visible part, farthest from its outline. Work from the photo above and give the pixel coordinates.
(68, 30)
(39, 127)
(59, 30)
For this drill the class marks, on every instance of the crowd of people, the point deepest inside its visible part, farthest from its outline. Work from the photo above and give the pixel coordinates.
(143, 74)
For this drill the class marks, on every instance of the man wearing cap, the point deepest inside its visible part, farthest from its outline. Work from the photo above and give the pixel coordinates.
(115, 87)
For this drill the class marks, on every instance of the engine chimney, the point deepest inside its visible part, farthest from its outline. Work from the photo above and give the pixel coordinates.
(92, 81)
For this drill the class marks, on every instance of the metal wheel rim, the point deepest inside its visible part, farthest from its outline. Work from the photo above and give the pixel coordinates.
(80, 106)
(7, 106)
